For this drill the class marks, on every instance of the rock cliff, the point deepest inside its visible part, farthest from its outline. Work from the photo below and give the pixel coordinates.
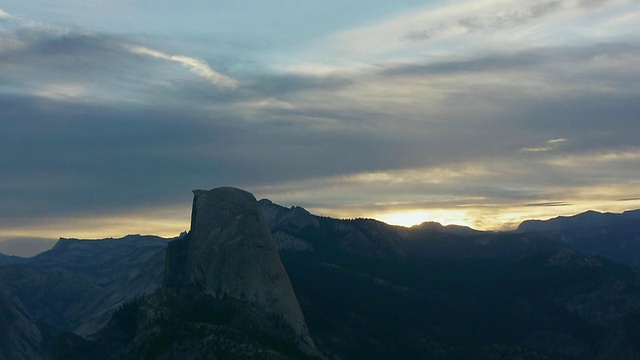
(230, 255)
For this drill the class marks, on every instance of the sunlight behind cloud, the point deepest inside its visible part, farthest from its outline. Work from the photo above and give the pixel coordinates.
(485, 196)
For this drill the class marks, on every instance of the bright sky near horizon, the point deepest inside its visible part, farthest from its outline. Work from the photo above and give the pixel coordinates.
(480, 113)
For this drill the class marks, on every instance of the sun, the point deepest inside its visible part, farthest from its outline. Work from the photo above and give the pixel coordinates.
(414, 217)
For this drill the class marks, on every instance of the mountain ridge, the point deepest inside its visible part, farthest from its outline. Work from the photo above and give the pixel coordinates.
(275, 213)
(589, 218)
(366, 288)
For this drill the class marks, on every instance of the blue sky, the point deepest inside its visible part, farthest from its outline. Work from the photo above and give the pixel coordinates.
(481, 113)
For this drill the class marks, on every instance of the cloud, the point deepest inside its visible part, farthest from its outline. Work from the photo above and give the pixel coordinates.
(552, 144)
(592, 3)
(98, 130)
(463, 28)
(74, 65)
(545, 8)
(426, 34)
(196, 65)
(513, 16)
(537, 149)
(631, 155)
(486, 195)
(549, 203)
(630, 199)
(4, 15)
(63, 92)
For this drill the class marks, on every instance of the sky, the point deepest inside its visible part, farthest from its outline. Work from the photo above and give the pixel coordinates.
(480, 113)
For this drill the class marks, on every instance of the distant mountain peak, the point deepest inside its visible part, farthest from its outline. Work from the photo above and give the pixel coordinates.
(429, 224)
(450, 229)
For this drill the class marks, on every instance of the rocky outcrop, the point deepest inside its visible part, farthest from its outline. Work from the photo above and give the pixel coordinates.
(230, 254)
(361, 237)
(296, 217)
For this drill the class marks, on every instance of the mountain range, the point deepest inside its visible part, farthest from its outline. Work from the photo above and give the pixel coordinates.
(565, 288)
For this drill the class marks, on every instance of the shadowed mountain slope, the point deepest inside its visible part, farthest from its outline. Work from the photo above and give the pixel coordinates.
(20, 337)
(86, 280)
(614, 236)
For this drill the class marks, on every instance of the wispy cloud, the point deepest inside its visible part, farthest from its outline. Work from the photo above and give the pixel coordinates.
(63, 92)
(424, 34)
(461, 28)
(551, 144)
(65, 64)
(198, 66)
(536, 149)
(549, 203)
(511, 15)
(597, 158)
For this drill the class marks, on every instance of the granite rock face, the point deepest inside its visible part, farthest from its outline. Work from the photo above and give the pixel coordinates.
(231, 256)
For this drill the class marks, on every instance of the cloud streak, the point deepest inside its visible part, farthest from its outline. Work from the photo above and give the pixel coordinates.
(198, 66)
(551, 144)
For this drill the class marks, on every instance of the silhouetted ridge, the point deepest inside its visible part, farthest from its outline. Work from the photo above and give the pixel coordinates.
(589, 218)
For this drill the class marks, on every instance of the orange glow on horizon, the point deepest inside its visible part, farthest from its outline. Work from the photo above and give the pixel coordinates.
(170, 221)
(415, 217)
